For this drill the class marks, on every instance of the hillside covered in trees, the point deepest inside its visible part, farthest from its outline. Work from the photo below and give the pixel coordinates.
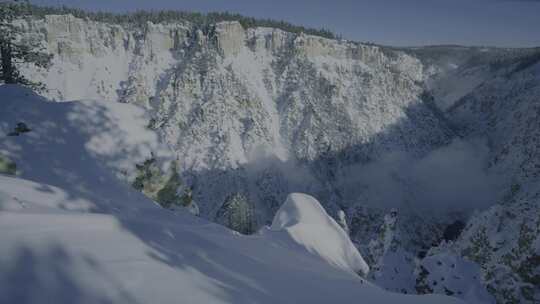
(163, 16)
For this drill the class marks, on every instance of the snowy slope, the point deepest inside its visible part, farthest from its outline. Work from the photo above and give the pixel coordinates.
(80, 234)
(70, 256)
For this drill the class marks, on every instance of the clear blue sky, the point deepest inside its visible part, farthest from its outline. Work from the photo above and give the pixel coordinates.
(513, 23)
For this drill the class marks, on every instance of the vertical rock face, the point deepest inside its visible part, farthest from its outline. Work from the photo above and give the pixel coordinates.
(257, 111)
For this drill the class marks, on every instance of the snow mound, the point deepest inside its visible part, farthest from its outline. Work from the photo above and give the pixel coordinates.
(305, 220)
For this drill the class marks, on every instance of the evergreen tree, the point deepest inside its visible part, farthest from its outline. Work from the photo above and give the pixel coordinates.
(237, 214)
(15, 50)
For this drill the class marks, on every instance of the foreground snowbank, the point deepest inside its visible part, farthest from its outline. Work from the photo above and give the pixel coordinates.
(308, 224)
(72, 256)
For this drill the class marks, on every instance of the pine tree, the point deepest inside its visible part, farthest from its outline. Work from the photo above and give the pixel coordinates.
(237, 214)
(13, 49)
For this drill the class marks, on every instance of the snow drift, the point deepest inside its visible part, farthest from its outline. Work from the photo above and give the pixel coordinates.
(306, 222)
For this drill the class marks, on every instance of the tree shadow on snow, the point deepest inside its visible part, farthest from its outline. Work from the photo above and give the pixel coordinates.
(47, 276)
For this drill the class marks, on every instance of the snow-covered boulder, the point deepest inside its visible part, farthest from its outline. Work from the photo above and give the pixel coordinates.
(303, 218)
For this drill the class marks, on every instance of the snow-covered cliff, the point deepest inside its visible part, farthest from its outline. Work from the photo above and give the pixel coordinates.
(256, 111)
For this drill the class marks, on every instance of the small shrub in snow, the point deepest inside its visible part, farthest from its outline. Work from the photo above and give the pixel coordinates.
(19, 129)
(7, 166)
(161, 186)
